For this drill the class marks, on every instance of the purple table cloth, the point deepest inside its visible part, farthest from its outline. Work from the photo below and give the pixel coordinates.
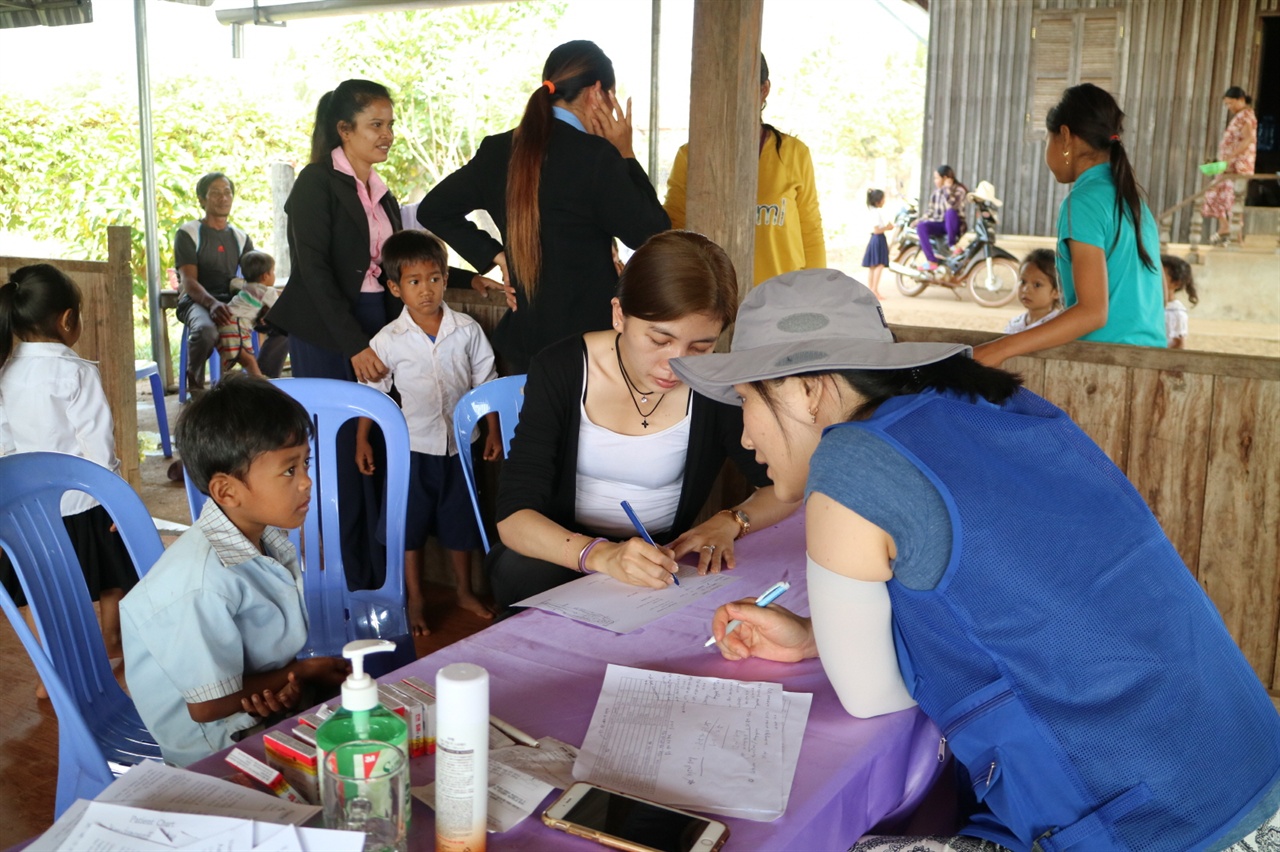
(545, 677)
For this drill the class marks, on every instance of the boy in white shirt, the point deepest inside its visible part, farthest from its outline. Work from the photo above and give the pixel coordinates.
(433, 355)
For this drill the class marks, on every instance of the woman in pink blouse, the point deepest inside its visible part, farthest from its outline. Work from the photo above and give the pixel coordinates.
(1238, 149)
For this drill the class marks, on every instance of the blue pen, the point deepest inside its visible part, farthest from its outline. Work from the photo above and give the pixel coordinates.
(771, 594)
(644, 533)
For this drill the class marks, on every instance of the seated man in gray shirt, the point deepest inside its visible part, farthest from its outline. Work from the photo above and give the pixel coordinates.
(207, 254)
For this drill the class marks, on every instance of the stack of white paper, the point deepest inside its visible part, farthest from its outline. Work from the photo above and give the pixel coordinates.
(705, 744)
(155, 807)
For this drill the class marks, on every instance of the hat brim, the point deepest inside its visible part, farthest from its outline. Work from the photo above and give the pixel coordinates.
(714, 375)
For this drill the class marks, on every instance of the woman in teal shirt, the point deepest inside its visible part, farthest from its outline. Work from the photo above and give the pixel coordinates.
(1107, 239)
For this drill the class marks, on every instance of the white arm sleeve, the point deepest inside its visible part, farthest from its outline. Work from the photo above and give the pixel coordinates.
(852, 627)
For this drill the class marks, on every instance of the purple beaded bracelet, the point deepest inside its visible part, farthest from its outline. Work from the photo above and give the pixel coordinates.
(582, 557)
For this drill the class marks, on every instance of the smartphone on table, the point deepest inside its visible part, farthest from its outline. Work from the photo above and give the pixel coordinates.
(626, 822)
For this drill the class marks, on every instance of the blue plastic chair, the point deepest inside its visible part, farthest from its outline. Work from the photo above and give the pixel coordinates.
(97, 722)
(145, 369)
(336, 614)
(506, 397)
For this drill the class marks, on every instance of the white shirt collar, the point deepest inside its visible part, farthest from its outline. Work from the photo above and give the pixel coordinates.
(231, 545)
(46, 349)
(404, 323)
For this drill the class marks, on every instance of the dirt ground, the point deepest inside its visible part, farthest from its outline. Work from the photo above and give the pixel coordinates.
(938, 307)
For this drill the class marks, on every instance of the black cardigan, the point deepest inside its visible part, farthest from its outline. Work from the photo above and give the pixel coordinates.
(329, 254)
(588, 195)
(541, 471)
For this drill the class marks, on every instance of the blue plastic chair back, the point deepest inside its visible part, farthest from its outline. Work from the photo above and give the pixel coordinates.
(335, 614)
(97, 722)
(506, 397)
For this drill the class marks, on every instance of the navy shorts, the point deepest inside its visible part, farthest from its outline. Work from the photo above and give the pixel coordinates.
(439, 503)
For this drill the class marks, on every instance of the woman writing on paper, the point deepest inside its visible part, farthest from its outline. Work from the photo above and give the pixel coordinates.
(1018, 589)
(605, 420)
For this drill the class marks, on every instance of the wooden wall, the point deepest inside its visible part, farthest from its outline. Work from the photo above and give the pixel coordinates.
(1196, 433)
(107, 337)
(1177, 58)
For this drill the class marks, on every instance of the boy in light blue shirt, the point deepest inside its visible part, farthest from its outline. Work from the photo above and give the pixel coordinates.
(211, 632)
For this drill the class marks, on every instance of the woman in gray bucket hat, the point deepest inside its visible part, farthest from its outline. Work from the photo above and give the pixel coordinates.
(971, 550)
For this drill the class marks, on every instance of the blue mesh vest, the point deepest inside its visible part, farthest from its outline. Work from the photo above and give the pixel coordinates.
(1074, 665)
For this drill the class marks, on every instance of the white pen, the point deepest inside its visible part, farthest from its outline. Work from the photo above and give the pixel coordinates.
(771, 594)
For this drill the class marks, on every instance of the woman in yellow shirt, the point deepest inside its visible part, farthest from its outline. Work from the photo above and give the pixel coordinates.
(788, 220)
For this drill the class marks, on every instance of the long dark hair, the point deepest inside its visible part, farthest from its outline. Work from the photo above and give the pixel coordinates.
(343, 104)
(1094, 116)
(32, 301)
(676, 274)
(571, 67)
(1179, 272)
(769, 128)
(958, 374)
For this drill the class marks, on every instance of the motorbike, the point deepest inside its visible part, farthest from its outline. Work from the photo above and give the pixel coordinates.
(990, 272)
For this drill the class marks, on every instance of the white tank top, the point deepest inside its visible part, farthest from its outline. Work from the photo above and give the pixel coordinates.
(645, 470)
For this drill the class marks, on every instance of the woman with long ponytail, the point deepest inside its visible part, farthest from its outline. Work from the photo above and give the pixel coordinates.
(560, 187)
(1108, 247)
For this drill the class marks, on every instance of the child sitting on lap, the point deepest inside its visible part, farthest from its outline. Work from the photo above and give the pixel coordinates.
(254, 297)
(211, 632)
(433, 356)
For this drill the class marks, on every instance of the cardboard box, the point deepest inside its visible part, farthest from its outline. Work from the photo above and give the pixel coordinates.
(296, 761)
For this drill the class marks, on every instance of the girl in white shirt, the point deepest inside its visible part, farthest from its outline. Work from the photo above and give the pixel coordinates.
(52, 400)
(1037, 291)
(1177, 279)
(876, 257)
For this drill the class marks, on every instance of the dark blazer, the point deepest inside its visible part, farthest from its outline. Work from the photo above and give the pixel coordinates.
(541, 471)
(588, 195)
(329, 254)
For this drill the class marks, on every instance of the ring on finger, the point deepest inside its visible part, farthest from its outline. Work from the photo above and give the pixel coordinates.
(709, 548)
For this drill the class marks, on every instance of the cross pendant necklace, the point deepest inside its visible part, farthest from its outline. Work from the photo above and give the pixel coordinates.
(632, 390)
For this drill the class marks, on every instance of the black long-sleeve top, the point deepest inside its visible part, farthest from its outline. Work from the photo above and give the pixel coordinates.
(329, 256)
(541, 471)
(588, 195)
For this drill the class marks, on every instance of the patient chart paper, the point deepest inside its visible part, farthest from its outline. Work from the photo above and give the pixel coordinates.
(603, 601)
(706, 744)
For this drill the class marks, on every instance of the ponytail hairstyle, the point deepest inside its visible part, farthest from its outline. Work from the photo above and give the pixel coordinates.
(948, 172)
(342, 105)
(571, 68)
(1179, 272)
(769, 128)
(1237, 93)
(1093, 115)
(874, 197)
(676, 274)
(31, 303)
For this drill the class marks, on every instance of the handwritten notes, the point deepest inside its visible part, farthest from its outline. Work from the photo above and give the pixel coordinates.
(706, 744)
(605, 602)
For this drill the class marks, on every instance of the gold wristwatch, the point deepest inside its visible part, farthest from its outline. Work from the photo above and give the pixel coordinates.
(744, 522)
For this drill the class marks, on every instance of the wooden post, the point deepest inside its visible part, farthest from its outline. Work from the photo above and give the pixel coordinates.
(724, 130)
(281, 185)
(113, 318)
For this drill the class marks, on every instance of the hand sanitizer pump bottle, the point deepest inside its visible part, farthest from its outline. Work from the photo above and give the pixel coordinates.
(361, 717)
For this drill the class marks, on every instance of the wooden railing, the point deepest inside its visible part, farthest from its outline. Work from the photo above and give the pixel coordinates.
(106, 319)
(1165, 219)
(1197, 434)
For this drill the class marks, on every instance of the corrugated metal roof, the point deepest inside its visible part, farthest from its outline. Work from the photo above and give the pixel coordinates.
(48, 13)
(56, 13)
